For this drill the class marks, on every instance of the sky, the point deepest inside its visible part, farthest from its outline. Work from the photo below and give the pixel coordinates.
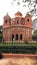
(7, 7)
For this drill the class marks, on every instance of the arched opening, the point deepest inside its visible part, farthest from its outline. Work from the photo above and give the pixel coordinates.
(20, 36)
(17, 21)
(12, 36)
(6, 21)
(28, 20)
(16, 36)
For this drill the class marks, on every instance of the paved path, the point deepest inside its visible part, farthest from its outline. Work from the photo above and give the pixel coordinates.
(18, 61)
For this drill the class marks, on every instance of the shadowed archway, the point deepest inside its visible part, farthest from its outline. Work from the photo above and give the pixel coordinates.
(16, 36)
(12, 36)
(20, 36)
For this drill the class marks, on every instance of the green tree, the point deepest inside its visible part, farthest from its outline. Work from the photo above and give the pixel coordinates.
(34, 36)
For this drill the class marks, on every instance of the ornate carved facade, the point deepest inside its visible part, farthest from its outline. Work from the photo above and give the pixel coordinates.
(18, 28)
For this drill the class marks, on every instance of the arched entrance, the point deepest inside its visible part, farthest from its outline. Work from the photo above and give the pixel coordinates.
(16, 36)
(12, 36)
(20, 36)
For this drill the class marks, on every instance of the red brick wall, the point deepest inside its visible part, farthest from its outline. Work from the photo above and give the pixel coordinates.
(23, 26)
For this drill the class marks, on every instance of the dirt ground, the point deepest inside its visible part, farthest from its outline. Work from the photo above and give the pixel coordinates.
(18, 61)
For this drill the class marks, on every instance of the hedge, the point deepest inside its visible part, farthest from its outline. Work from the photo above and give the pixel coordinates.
(34, 36)
(18, 49)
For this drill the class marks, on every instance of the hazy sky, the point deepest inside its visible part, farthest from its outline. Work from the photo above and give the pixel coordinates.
(6, 6)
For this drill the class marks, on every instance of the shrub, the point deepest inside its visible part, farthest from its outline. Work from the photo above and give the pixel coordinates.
(1, 56)
(26, 42)
(34, 36)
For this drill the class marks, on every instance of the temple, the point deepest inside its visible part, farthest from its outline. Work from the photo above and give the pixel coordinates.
(18, 28)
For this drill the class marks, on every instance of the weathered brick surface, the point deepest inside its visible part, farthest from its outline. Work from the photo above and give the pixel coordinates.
(34, 56)
(17, 25)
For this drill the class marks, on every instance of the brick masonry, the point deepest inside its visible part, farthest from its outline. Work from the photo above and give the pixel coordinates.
(33, 56)
(17, 25)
